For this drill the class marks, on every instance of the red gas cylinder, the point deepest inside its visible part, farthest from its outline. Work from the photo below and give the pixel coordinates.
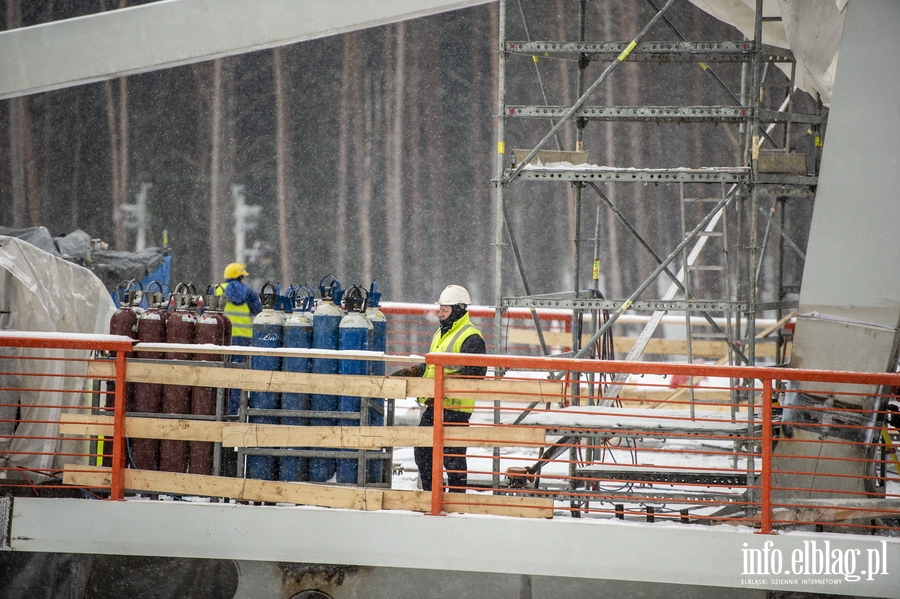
(151, 328)
(123, 322)
(176, 399)
(209, 329)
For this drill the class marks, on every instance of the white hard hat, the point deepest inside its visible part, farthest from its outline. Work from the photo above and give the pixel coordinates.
(454, 294)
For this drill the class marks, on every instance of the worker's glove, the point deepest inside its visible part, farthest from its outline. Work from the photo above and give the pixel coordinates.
(411, 371)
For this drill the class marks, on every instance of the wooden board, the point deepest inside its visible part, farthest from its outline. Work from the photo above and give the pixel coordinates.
(330, 384)
(235, 434)
(267, 380)
(359, 498)
(490, 389)
(677, 347)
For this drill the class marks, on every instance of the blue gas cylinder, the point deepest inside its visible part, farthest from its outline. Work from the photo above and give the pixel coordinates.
(298, 333)
(355, 333)
(378, 343)
(326, 335)
(268, 331)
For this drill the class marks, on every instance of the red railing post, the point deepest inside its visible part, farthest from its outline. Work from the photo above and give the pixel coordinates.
(117, 476)
(437, 456)
(765, 476)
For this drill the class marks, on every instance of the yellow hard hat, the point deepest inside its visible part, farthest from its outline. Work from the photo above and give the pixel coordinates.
(236, 270)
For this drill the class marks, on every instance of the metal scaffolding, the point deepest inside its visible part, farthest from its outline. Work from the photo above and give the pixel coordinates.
(707, 249)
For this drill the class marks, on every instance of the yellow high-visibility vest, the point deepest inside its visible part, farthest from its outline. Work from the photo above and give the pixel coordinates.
(452, 341)
(238, 314)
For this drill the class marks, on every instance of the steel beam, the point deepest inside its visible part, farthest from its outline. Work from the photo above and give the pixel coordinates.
(172, 33)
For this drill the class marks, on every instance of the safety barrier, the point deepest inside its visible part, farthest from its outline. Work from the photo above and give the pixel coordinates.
(45, 376)
(790, 448)
(763, 447)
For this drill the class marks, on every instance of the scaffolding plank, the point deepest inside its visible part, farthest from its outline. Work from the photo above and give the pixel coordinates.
(359, 498)
(653, 51)
(713, 114)
(232, 434)
(609, 173)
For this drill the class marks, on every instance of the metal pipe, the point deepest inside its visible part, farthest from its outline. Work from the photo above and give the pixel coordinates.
(765, 475)
(437, 448)
(117, 477)
(501, 153)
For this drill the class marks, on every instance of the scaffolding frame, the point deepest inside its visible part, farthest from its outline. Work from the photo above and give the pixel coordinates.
(746, 184)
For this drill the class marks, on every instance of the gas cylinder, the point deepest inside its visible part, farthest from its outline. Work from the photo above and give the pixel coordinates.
(148, 396)
(268, 331)
(375, 468)
(209, 329)
(298, 333)
(176, 399)
(355, 331)
(212, 325)
(326, 325)
(123, 322)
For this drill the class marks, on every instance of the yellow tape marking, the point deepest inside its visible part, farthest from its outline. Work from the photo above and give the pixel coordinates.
(627, 50)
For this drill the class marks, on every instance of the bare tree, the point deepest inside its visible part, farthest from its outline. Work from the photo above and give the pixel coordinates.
(117, 125)
(75, 176)
(347, 124)
(372, 123)
(221, 164)
(283, 182)
(394, 148)
(415, 235)
(434, 150)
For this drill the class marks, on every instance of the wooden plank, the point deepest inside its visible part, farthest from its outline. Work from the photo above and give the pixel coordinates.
(490, 389)
(101, 369)
(267, 380)
(471, 503)
(142, 428)
(836, 510)
(285, 352)
(700, 348)
(236, 488)
(363, 386)
(375, 437)
(359, 498)
(235, 434)
(786, 517)
(633, 394)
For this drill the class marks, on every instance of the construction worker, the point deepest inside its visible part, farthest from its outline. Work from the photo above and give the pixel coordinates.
(456, 334)
(243, 304)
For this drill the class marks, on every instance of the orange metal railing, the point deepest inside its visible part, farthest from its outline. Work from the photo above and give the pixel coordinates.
(751, 460)
(763, 447)
(45, 376)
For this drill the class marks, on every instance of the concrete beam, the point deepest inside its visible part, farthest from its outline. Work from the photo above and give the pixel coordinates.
(579, 556)
(172, 33)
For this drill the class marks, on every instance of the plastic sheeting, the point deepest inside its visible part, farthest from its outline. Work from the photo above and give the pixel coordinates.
(811, 29)
(43, 293)
(111, 267)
